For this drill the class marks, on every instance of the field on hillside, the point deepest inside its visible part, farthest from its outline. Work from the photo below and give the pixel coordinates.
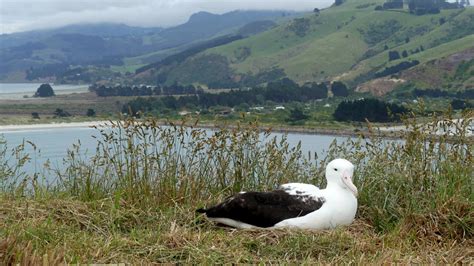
(135, 200)
(349, 42)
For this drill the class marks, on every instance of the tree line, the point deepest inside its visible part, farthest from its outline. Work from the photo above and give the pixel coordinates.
(371, 109)
(282, 91)
(175, 89)
(396, 68)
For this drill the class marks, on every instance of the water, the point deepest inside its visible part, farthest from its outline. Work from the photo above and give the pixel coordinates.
(19, 90)
(52, 144)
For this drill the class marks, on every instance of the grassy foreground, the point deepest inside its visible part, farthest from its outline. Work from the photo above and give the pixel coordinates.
(134, 201)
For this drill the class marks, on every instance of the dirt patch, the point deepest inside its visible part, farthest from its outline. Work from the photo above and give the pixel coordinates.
(379, 87)
(435, 72)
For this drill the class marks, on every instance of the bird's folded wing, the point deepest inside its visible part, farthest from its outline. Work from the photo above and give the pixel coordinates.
(265, 209)
(301, 189)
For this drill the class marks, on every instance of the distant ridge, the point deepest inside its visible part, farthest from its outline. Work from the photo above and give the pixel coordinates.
(50, 52)
(350, 42)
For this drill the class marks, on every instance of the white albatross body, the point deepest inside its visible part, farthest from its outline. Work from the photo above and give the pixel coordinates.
(294, 205)
(340, 208)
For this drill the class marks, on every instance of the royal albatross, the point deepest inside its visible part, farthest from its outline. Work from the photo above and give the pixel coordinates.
(294, 205)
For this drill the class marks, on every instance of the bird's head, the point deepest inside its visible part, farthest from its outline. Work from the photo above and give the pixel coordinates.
(340, 172)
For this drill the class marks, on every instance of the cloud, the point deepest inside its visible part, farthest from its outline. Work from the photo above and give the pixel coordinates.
(21, 15)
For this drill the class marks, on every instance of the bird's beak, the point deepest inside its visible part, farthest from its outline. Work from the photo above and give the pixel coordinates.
(347, 180)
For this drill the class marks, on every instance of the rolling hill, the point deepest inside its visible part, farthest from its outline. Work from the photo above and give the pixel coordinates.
(50, 51)
(349, 42)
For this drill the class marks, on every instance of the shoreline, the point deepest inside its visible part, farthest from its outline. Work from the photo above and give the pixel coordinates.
(212, 126)
(392, 132)
(47, 126)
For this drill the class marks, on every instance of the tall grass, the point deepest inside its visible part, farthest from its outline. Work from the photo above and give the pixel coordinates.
(143, 162)
(13, 177)
(424, 181)
(144, 181)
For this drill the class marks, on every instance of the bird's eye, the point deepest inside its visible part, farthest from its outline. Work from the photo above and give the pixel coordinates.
(335, 169)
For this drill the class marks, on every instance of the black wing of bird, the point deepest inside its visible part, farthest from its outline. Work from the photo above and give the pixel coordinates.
(264, 209)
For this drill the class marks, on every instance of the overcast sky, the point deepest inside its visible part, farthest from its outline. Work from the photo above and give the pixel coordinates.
(22, 15)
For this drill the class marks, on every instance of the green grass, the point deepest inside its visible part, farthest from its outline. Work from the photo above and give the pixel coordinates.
(380, 60)
(134, 201)
(346, 42)
(60, 231)
(133, 63)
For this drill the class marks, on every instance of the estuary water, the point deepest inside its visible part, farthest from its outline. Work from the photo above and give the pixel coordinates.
(24, 90)
(52, 144)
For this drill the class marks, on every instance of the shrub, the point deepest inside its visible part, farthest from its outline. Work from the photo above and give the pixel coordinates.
(90, 112)
(61, 113)
(45, 90)
(35, 115)
(296, 116)
(393, 55)
(457, 104)
(339, 89)
(299, 26)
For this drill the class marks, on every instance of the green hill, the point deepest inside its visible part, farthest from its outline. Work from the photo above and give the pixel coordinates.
(50, 53)
(349, 42)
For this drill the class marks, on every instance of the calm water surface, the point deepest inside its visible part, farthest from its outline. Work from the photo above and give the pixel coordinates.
(30, 88)
(52, 144)
(17, 91)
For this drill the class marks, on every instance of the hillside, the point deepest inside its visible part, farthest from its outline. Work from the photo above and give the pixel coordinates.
(349, 42)
(49, 52)
(252, 28)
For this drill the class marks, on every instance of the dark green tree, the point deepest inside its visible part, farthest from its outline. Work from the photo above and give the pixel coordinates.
(35, 115)
(393, 55)
(370, 109)
(405, 53)
(61, 113)
(296, 116)
(90, 112)
(458, 104)
(45, 90)
(339, 89)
